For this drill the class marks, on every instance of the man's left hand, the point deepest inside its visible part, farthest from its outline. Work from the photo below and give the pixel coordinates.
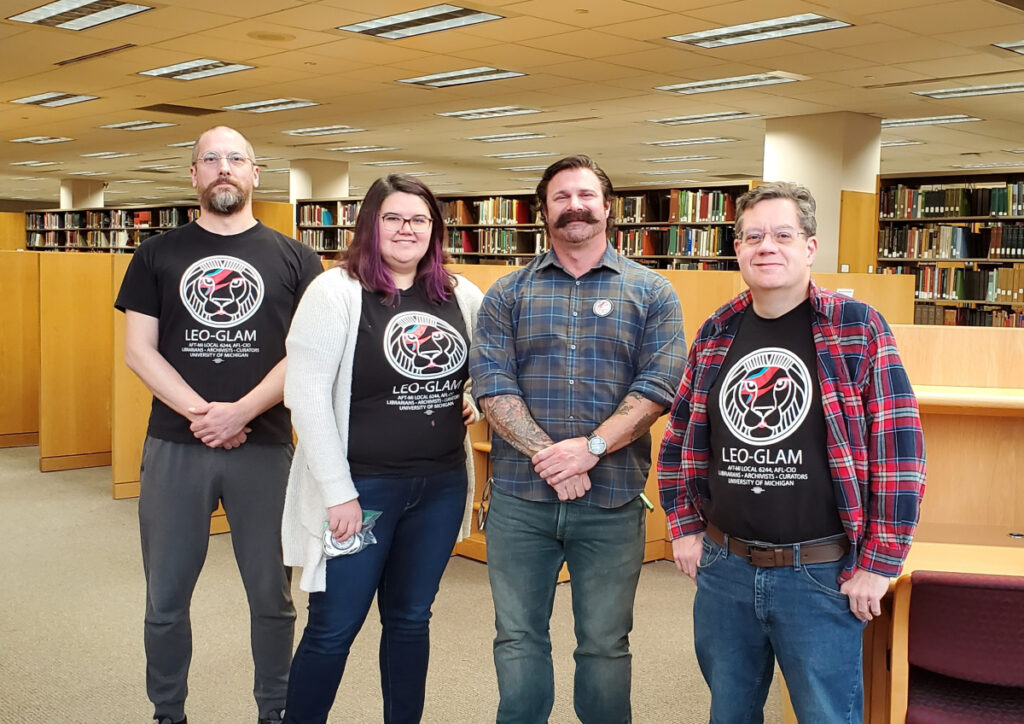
(559, 462)
(865, 590)
(218, 422)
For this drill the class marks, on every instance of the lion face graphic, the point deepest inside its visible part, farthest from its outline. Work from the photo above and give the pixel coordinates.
(422, 346)
(221, 291)
(765, 396)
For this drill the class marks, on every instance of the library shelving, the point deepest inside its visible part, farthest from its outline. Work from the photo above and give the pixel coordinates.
(962, 238)
(105, 229)
(668, 228)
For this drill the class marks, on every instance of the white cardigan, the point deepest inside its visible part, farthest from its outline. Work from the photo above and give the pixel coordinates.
(318, 388)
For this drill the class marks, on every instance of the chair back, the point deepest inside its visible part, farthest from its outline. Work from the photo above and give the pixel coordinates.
(968, 626)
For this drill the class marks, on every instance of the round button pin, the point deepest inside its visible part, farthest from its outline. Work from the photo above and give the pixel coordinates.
(602, 307)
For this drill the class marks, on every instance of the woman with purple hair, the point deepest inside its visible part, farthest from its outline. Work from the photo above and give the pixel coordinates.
(377, 384)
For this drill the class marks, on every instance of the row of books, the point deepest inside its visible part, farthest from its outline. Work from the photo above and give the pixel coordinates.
(675, 241)
(110, 219)
(1004, 285)
(91, 239)
(495, 210)
(686, 205)
(496, 241)
(952, 241)
(950, 200)
(342, 213)
(326, 239)
(966, 316)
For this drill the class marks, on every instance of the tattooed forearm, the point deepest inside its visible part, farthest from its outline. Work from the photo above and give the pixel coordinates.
(511, 418)
(639, 414)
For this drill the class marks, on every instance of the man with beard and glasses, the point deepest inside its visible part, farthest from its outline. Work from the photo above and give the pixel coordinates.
(574, 357)
(207, 308)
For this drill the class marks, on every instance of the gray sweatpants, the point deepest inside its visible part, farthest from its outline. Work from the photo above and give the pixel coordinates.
(181, 485)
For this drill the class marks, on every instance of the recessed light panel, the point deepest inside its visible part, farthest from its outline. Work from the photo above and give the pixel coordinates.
(927, 120)
(79, 14)
(523, 168)
(761, 30)
(34, 164)
(735, 82)
(419, 22)
(462, 77)
(269, 106)
(323, 131)
(705, 118)
(690, 141)
(196, 69)
(138, 125)
(672, 172)
(54, 100)
(972, 90)
(679, 159)
(108, 154)
(475, 114)
(520, 154)
(40, 139)
(1015, 47)
(392, 163)
(892, 142)
(363, 149)
(504, 137)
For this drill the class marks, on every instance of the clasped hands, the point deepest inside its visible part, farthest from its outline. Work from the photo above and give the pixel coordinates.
(219, 424)
(565, 467)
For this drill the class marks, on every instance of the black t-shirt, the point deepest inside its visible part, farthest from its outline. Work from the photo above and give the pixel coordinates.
(769, 475)
(408, 375)
(224, 305)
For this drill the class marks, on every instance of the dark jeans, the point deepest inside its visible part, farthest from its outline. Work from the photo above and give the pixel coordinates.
(527, 542)
(415, 534)
(744, 617)
(181, 484)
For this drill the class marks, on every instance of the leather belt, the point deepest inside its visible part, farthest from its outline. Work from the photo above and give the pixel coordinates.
(772, 556)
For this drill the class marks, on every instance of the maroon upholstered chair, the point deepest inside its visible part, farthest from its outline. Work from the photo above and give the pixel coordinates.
(964, 649)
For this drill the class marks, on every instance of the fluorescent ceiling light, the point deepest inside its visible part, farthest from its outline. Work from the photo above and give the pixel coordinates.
(323, 131)
(474, 114)
(761, 30)
(926, 121)
(690, 141)
(1003, 164)
(972, 90)
(275, 104)
(462, 77)
(662, 182)
(108, 154)
(502, 137)
(196, 69)
(735, 82)
(182, 144)
(1014, 150)
(34, 163)
(705, 118)
(54, 100)
(523, 168)
(274, 170)
(158, 167)
(419, 22)
(138, 125)
(79, 14)
(899, 142)
(133, 181)
(669, 173)
(520, 154)
(87, 173)
(420, 174)
(392, 163)
(1015, 47)
(678, 159)
(40, 139)
(362, 149)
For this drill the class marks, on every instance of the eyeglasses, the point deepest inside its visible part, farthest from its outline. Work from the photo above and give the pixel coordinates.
(418, 224)
(782, 237)
(235, 158)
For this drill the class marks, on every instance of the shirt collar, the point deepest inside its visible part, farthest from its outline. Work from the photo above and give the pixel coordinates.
(610, 259)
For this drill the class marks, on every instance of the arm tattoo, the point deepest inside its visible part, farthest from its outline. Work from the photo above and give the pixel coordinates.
(633, 406)
(511, 418)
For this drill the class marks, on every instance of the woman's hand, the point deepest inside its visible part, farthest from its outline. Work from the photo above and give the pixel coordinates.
(468, 413)
(345, 520)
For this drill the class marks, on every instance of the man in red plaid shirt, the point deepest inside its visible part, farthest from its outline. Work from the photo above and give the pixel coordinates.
(792, 472)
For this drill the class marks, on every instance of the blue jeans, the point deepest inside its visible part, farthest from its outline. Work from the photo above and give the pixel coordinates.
(744, 617)
(527, 542)
(415, 535)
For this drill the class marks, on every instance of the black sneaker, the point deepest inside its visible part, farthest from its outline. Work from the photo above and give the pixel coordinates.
(275, 717)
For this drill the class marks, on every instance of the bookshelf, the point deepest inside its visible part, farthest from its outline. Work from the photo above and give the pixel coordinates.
(668, 228)
(102, 229)
(962, 238)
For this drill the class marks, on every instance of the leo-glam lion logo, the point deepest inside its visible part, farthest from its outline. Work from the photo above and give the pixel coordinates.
(221, 291)
(766, 396)
(422, 346)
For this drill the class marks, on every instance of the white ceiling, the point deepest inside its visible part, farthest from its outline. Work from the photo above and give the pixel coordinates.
(591, 65)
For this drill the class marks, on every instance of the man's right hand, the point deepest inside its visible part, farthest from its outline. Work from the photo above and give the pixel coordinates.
(345, 520)
(686, 552)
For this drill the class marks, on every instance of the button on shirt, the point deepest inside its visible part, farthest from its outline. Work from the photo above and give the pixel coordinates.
(573, 349)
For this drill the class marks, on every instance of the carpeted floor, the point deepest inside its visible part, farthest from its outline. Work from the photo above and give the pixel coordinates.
(71, 625)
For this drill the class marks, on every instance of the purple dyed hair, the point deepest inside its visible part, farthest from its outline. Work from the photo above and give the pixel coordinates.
(363, 261)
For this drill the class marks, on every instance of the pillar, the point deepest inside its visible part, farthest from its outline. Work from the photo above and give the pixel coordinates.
(81, 193)
(311, 178)
(829, 153)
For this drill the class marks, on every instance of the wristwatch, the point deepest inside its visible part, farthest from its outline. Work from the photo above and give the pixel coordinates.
(596, 445)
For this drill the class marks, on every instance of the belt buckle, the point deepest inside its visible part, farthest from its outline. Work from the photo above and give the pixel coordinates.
(770, 556)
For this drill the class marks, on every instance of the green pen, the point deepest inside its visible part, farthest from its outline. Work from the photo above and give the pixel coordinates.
(647, 503)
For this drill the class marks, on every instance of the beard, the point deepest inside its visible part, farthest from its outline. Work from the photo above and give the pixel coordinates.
(223, 201)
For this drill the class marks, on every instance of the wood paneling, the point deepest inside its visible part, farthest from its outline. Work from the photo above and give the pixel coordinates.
(858, 230)
(12, 230)
(276, 215)
(19, 351)
(75, 353)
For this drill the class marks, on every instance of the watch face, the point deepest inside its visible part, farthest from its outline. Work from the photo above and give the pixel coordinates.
(597, 445)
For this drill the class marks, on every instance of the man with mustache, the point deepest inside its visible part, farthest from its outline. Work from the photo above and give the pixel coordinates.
(574, 357)
(207, 307)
